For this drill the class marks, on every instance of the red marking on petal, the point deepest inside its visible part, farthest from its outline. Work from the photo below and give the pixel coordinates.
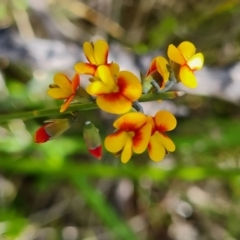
(75, 83)
(41, 135)
(112, 96)
(128, 126)
(122, 84)
(138, 137)
(96, 152)
(153, 129)
(161, 128)
(152, 68)
(149, 147)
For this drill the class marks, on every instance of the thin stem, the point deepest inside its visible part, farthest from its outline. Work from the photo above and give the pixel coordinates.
(47, 112)
(155, 85)
(138, 106)
(82, 107)
(167, 87)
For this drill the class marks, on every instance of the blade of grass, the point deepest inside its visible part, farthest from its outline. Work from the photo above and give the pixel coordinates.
(99, 205)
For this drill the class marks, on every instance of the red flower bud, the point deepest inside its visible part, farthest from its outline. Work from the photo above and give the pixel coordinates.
(53, 128)
(92, 139)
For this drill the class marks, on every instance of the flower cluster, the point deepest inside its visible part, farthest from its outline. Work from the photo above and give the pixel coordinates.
(118, 92)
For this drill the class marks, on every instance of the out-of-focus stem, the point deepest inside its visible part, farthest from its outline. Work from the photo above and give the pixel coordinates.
(83, 107)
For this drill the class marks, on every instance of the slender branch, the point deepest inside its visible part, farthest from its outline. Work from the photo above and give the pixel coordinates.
(47, 112)
(82, 107)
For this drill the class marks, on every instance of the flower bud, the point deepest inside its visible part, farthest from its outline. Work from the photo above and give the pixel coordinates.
(92, 139)
(53, 128)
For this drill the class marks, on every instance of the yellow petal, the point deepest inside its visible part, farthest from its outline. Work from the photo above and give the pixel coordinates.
(101, 52)
(98, 88)
(114, 103)
(187, 77)
(141, 138)
(131, 121)
(85, 68)
(63, 82)
(161, 64)
(175, 55)
(187, 49)
(127, 151)
(66, 104)
(114, 68)
(164, 121)
(196, 62)
(129, 85)
(89, 52)
(58, 93)
(116, 141)
(166, 141)
(156, 150)
(105, 75)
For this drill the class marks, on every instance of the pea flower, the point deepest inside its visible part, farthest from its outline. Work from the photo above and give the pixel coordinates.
(92, 139)
(160, 143)
(64, 89)
(51, 129)
(157, 71)
(115, 94)
(185, 61)
(132, 134)
(97, 55)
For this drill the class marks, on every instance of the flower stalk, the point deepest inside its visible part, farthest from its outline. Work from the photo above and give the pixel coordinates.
(83, 107)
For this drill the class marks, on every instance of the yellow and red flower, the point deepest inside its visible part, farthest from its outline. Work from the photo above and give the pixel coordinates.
(115, 94)
(97, 55)
(185, 61)
(158, 71)
(132, 134)
(64, 89)
(51, 129)
(160, 143)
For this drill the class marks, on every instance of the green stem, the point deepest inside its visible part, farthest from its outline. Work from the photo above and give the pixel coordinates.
(82, 107)
(47, 112)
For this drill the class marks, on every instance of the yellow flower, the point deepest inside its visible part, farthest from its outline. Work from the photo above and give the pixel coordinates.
(187, 61)
(159, 142)
(132, 134)
(115, 94)
(97, 55)
(64, 89)
(158, 70)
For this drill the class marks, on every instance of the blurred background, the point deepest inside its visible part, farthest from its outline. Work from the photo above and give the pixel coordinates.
(57, 190)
